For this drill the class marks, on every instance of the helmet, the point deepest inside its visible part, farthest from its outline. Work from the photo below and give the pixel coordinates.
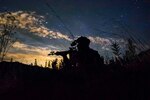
(81, 40)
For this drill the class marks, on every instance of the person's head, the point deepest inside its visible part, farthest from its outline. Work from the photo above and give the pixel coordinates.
(82, 43)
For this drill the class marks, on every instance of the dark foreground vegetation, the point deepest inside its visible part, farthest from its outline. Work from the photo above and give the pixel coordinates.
(112, 82)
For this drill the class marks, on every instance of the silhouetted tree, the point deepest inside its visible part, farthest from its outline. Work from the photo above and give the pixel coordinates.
(106, 61)
(131, 50)
(35, 63)
(46, 63)
(116, 49)
(49, 64)
(54, 64)
(11, 60)
(8, 24)
(61, 64)
(31, 64)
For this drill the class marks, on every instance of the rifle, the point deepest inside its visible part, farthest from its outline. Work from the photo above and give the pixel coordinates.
(64, 53)
(61, 53)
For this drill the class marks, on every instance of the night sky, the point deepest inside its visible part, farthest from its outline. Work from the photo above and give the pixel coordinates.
(102, 21)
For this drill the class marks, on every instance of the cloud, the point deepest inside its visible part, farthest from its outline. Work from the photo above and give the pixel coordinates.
(31, 22)
(44, 32)
(100, 40)
(106, 41)
(29, 49)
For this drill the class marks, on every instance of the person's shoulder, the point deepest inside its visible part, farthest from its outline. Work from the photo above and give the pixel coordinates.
(94, 51)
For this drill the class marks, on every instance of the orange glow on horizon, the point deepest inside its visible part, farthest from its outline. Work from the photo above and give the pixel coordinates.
(30, 58)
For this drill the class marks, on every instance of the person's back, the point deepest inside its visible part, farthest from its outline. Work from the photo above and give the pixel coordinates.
(88, 59)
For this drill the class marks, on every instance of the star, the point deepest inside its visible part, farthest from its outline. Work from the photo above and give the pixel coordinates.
(137, 7)
(135, 2)
(121, 16)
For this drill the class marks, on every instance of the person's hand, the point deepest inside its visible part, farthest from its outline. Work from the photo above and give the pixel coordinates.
(51, 53)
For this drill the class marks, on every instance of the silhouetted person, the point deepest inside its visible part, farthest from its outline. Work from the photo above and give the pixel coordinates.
(87, 61)
(81, 56)
(85, 57)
